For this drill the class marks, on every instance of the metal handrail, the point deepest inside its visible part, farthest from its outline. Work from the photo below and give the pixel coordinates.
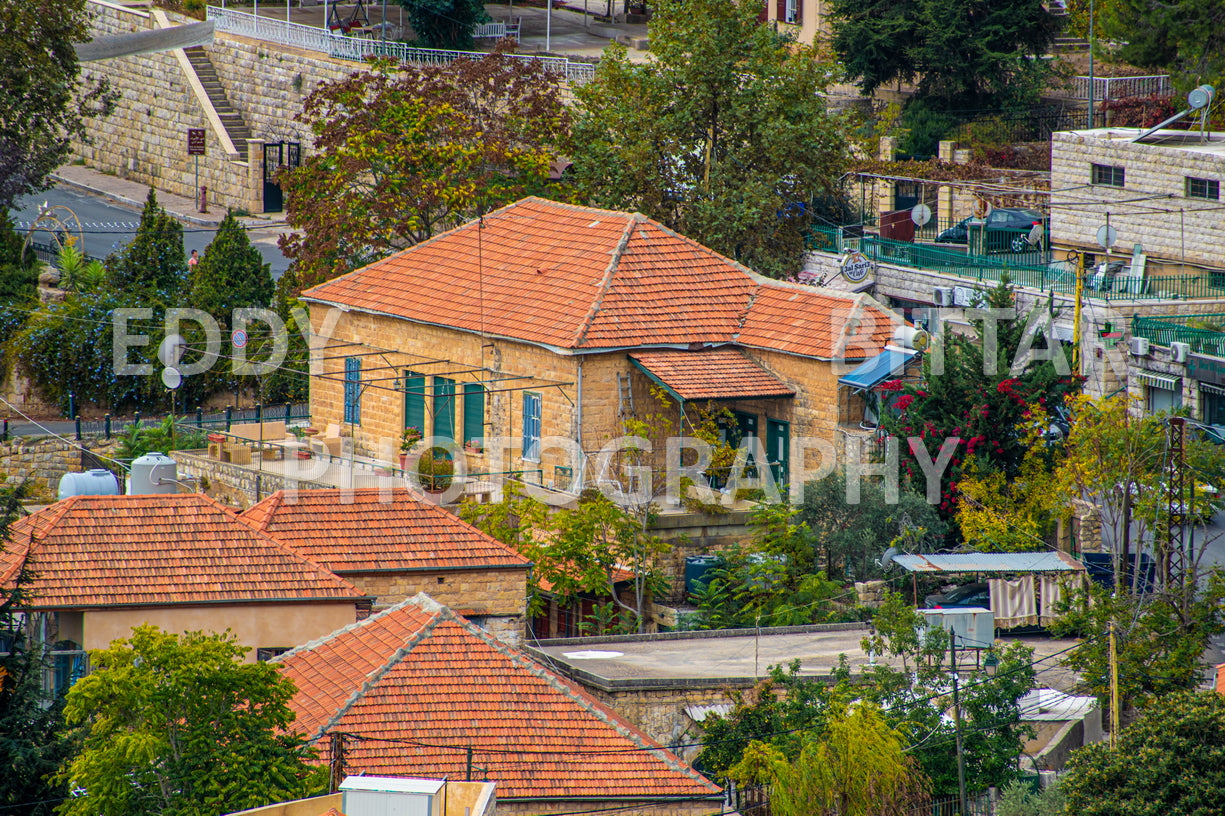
(1107, 88)
(359, 49)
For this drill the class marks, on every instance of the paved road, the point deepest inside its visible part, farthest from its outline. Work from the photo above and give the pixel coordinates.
(110, 225)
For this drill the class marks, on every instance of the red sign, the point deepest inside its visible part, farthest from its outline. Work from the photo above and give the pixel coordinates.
(195, 141)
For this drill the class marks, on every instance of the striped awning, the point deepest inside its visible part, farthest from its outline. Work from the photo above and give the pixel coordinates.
(1212, 389)
(1158, 380)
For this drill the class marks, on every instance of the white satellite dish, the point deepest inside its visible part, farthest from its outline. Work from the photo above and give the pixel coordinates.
(920, 214)
(1107, 235)
(1035, 235)
(171, 378)
(170, 352)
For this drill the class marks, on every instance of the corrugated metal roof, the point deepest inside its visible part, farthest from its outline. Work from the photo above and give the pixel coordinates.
(989, 562)
(1047, 704)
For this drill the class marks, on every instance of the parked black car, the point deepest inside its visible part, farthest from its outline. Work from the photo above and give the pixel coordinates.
(963, 597)
(1007, 230)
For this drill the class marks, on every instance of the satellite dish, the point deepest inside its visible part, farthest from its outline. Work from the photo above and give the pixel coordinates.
(887, 557)
(920, 214)
(1201, 97)
(1035, 235)
(170, 352)
(1107, 235)
(171, 378)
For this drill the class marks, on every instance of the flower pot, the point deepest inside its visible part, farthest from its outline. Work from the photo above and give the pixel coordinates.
(403, 461)
(304, 454)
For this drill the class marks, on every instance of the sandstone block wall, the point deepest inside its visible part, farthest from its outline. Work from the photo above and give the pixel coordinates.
(45, 460)
(1170, 226)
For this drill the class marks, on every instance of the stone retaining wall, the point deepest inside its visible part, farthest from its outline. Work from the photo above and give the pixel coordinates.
(45, 460)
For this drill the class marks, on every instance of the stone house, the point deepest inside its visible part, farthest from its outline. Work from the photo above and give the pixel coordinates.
(392, 546)
(100, 565)
(417, 690)
(532, 335)
(1162, 192)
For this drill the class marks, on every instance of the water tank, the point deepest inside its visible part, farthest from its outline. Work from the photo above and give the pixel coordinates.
(152, 473)
(97, 482)
(696, 567)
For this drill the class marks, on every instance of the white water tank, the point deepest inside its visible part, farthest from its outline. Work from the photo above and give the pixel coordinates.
(96, 482)
(153, 473)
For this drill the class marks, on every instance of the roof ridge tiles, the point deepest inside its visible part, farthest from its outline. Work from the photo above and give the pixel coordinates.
(320, 641)
(585, 326)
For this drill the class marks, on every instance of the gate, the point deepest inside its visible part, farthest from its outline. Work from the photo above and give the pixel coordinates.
(276, 156)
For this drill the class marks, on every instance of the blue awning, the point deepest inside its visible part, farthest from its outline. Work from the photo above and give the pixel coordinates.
(873, 372)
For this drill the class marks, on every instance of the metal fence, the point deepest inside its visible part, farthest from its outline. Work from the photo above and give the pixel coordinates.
(1034, 125)
(49, 254)
(1106, 88)
(1175, 329)
(358, 49)
(109, 426)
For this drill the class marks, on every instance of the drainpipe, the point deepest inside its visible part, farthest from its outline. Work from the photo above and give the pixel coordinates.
(582, 457)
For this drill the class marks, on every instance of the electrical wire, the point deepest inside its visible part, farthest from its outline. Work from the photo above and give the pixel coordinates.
(52, 433)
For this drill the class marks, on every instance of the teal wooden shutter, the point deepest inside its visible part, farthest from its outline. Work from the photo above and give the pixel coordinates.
(474, 412)
(444, 407)
(414, 401)
(353, 390)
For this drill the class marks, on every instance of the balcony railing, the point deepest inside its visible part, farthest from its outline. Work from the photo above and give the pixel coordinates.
(358, 49)
(1105, 88)
(1194, 330)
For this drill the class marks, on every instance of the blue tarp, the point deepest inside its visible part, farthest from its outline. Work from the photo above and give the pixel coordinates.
(869, 373)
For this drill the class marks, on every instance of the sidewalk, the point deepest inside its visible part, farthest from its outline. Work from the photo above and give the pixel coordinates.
(132, 195)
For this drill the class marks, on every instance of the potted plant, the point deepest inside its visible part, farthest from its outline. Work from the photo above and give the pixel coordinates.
(408, 440)
(474, 446)
(435, 469)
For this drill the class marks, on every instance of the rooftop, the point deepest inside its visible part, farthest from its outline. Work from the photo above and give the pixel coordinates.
(580, 278)
(1214, 142)
(710, 374)
(373, 529)
(93, 551)
(420, 691)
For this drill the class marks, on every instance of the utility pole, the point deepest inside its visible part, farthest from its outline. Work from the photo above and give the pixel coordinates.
(1114, 687)
(961, 760)
(1080, 296)
(336, 761)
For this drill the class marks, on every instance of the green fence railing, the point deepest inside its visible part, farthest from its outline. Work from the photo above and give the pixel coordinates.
(1035, 270)
(1194, 330)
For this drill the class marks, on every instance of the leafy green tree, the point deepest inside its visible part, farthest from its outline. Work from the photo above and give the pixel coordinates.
(33, 741)
(1170, 762)
(963, 54)
(857, 767)
(43, 106)
(1160, 645)
(1185, 37)
(230, 275)
(178, 725)
(445, 23)
(135, 441)
(18, 268)
(403, 151)
(723, 136)
(154, 263)
(788, 707)
(850, 537)
(77, 273)
(979, 398)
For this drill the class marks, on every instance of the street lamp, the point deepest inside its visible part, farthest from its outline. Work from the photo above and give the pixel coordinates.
(991, 664)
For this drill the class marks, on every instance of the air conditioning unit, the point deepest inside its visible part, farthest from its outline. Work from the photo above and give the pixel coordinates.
(1179, 352)
(1139, 346)
(943, 295)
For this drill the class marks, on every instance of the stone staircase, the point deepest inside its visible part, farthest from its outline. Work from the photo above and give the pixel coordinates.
(230, 118)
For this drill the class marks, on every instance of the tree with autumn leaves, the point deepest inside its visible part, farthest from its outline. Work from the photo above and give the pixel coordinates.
(984, 399)
(402, 152)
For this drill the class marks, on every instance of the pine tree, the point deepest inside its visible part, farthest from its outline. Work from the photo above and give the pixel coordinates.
(155, 261)
(231, 274)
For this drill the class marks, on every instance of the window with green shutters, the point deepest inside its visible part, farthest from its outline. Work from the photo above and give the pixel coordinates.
(444, 407)
(414, 401)
(531, 426)
(474, 413)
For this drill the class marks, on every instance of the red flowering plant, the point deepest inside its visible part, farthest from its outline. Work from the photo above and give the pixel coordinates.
(980, 402)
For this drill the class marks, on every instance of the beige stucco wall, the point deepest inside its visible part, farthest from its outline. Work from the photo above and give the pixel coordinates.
(1189, 225)
(254, 625)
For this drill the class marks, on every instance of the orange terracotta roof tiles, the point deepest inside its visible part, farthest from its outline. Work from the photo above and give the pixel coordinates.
(715, 374)
(93, 551)
(582, 278)
(802, 320)
(416, 686)
(372, 529)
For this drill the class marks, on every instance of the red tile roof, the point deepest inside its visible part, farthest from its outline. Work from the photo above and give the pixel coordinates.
(93, 551)
(372, 529)
(722, 373)
(797, 319)
(582, 278)
(416, 686)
